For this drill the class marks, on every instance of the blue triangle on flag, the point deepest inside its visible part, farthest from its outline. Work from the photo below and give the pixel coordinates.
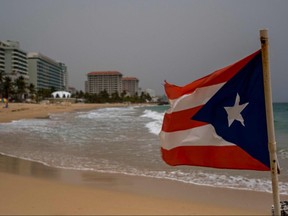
(251, 135)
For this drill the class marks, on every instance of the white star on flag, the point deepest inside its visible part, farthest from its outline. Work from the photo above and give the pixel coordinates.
(234, 112)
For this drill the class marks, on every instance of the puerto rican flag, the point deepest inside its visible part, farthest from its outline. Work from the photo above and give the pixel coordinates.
(219, 120)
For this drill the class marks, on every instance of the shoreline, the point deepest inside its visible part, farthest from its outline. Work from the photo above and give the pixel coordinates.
(29, 187)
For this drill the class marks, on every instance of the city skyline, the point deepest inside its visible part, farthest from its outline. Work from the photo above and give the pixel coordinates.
(45, 73)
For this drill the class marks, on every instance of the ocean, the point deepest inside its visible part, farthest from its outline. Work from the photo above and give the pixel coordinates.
(125, 140)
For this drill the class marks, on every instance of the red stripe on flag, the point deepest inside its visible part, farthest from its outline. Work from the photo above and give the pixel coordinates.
(224, 157)
(181, 120)
(219, 76)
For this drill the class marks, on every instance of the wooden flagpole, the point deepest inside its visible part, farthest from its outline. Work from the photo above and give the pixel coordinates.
(270, 119)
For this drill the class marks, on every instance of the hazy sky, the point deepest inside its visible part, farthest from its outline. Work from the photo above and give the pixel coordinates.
(154, 40)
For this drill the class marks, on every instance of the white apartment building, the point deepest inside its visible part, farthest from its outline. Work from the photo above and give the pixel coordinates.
(130, 85)
(46, 73)
(98, 81)
(2, 58)
(13, 60)
(64, 76)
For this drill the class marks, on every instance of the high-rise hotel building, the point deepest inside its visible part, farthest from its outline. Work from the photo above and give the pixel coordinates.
(46, 73)
(2, 57)
(98, 81)
(64, 76)
(130, 85)
(13, 60)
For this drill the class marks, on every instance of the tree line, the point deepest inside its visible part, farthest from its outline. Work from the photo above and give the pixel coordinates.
(18, 91)
(104, 97)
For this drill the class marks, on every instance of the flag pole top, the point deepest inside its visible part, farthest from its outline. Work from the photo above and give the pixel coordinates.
(264, 32)
(264, 36)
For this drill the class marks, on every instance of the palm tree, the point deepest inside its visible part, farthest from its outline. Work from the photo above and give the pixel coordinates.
(7, 86)
(31, 88)
(1, 83)
(103, 96)
(43, 93)
(32, 91)
(115, 97)
(20, 85)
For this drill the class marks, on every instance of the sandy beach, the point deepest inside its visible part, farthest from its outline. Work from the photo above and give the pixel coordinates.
(31, 188)
(16, 111)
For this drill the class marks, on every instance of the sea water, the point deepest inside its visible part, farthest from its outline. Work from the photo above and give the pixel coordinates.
(125, 140)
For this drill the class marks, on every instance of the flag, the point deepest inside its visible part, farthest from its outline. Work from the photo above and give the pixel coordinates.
(219, 120)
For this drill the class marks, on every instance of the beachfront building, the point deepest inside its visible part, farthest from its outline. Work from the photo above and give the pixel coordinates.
(2, 58)
(61, 94)
(86, 86)
(151, 92)
(72, 90)
(130, 85)
(46, 73)
(98, 81)
(64, 76)
(13, 60)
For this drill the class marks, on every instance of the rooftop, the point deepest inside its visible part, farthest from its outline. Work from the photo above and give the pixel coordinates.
(105, 73)
(130, 78)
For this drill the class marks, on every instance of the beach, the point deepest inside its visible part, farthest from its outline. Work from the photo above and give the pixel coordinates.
(29, 187)
(16, 111)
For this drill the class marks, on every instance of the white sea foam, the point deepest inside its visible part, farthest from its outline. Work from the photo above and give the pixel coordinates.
(108, 114)
(155, 125)
(283, 153)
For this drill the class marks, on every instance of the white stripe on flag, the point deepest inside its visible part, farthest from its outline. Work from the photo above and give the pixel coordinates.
(198, 97)
(199, 136)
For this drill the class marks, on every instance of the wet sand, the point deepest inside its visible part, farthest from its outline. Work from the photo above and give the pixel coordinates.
(32, 188)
